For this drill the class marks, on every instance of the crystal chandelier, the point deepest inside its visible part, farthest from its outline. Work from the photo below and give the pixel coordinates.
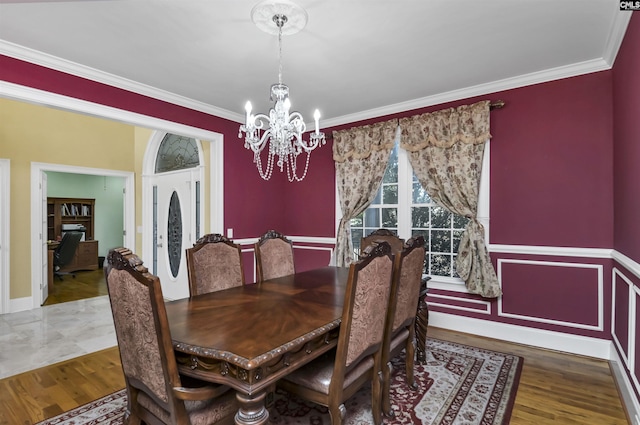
(281, 131)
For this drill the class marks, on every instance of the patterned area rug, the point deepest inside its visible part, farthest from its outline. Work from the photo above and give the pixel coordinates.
(459, 385)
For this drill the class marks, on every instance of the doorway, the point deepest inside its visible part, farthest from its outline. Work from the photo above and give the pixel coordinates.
(173, 175)
(101, 219)
(39, 261)
(214, 187)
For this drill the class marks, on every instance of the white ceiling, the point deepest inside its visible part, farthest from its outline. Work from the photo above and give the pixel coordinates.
(355, 59)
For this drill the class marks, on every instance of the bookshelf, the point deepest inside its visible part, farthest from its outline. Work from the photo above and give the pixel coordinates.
(69, 211)
(80, 211)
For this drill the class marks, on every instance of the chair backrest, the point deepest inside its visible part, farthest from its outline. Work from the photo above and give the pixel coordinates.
(365, 308)
(404, 301)
(142, 331)
(381, 235)
(214, 263)
(274, 256)
(63, 254)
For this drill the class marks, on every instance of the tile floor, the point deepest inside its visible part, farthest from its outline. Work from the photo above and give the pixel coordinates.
(50, 334)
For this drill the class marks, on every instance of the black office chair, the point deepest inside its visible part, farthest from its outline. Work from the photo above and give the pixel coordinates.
(64, 253)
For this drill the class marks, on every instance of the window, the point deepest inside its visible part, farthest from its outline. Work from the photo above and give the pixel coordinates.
(403, 206)
(176, 153)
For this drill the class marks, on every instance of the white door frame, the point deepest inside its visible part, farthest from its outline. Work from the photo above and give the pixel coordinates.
(37, 171)
(216, 181)
(180, 288)
(5, 248)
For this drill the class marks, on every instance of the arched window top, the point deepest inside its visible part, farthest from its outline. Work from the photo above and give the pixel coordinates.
(177, 153)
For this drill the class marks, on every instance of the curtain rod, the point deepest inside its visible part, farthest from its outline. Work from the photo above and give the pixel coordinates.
(498, 104)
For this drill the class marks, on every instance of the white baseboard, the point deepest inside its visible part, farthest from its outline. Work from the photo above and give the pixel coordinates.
(20, 304)
(573, 344)
(630, 402)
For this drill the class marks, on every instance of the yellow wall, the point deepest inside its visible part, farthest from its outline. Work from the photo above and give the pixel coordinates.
(32, 133)
(142, 137)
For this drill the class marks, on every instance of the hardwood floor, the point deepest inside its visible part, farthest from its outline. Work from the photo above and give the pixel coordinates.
(555, 388)
(86, 284)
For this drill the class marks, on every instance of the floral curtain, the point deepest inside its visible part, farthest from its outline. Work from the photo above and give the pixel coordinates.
(445, 150)
(361, 155)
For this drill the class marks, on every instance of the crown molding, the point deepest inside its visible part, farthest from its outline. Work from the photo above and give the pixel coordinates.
(616, 35)
(572, 70)
(618, 30)
(48, 61)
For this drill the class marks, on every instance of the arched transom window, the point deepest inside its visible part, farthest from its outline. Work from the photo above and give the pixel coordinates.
(176, 153)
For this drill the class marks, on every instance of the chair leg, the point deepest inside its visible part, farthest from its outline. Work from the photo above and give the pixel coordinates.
(376, 397)
(337, 414)
(132, 419)
(411, 353)
(386, 389)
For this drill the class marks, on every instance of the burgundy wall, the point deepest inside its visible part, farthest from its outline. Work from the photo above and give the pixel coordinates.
(551, 164)
(251, 205)
(310, 204)
(626, 108)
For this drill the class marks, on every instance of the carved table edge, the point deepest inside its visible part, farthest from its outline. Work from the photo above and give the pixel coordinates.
(255, 362)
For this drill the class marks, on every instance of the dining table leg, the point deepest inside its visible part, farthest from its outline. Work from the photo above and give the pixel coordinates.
(252, 410)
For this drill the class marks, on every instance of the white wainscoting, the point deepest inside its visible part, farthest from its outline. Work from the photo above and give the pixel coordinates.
(598, 280)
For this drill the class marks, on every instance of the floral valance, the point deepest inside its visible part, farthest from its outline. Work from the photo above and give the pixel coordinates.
(467, 124)
(359, 142)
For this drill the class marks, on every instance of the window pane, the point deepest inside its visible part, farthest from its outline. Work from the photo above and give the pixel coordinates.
(177, 153)
(377, 199)
(372, 217)
(356, 237)
(440, 241)
(441, 265)
(424, 233)
(420, 217)
(457, 234)
(391, 173)
(357, 220)
(390, 194)
(174, 234)
(440, 218)
(460, 222)
(390, 218)
(420, 195)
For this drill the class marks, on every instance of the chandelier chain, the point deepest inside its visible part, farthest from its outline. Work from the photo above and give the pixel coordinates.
(280, 24)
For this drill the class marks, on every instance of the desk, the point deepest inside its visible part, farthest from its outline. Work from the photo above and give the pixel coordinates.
(248, 337)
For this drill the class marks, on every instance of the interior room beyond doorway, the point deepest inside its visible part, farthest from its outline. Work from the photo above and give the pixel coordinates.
(102, 221)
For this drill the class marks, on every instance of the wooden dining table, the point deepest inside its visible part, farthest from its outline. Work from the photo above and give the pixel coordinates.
(248, 337)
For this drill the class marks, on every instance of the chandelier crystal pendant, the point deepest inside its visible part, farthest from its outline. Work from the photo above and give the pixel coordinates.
(282, 130)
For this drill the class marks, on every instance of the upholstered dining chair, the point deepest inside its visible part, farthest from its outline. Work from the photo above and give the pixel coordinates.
(382, 235)
(401, 314)
(336, 376)
(214, 263)
(274, 256)
(155, 391)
